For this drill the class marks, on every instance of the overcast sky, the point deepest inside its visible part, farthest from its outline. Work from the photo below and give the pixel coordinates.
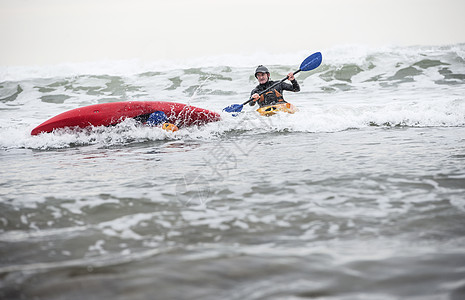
(38, 32)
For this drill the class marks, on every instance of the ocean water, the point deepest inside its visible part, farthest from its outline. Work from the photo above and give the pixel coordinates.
(359, 195)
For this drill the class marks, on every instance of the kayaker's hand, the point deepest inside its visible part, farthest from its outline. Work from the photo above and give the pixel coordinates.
(255, 97)
(290, 76)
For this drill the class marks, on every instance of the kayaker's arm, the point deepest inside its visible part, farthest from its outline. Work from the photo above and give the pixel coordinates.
(295, 87)
(255, 97)
(254, 94)
(295, 84)
(310, 63)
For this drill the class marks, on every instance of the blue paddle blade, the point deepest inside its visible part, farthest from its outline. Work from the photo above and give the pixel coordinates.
(311, 62)
(233, 108)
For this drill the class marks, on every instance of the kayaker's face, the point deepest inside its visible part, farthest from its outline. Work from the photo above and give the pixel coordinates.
(262, 78)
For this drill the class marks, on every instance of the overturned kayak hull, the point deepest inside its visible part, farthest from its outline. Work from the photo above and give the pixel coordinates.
(108, 114)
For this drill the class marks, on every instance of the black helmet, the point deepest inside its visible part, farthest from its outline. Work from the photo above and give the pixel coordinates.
(261, 69)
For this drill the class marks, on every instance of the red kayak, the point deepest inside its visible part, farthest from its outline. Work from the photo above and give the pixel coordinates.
(108, 114)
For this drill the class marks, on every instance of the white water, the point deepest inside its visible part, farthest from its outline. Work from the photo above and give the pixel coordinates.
(359, 195)
(355, 87)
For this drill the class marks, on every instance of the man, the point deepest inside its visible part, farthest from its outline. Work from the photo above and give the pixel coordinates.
(275, 95)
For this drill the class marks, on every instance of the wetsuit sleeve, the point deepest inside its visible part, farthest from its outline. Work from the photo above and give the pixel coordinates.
(252, 103)
(295, 87)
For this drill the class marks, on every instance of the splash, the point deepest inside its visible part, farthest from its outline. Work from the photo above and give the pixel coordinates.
(355, 87)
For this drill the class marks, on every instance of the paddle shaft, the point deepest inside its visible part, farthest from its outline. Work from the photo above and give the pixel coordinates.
(274, 85)
(310, 63)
